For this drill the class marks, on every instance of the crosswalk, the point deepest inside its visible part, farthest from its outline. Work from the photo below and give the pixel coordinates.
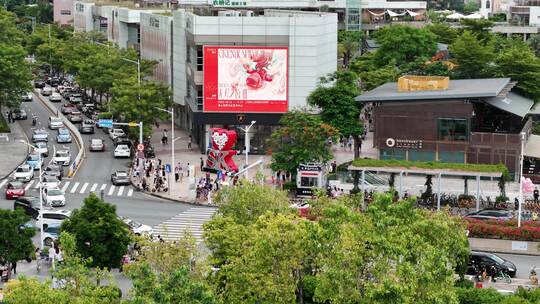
(191, 221)
(69, 187)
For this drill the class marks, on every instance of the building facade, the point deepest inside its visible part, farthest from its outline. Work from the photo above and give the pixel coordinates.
(156, 44)
(308, 40)
(63, 12)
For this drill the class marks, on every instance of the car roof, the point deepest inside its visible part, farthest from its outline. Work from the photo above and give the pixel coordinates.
(121, 171)
(123, 146)
(96, 139)
(62, 151)
(57, 211)
(24, 166)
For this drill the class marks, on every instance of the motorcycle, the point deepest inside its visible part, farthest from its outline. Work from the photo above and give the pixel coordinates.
(34, 120)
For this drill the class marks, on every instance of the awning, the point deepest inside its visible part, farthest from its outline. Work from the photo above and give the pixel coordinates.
(532, 146)
(376, 14)
(455, 16)
(512, 103)
(474, 16)
(392, 14)
(413, 14)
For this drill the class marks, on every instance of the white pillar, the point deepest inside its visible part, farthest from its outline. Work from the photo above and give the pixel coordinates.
(520, 177)
(439, 193)
(477, 192)
(401, 184)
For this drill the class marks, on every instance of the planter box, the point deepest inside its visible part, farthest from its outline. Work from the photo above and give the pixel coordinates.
(505, 246)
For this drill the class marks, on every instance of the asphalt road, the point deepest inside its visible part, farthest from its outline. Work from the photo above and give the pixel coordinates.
(523, 263)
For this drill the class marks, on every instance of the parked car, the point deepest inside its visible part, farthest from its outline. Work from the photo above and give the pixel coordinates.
(39, 84)
(62, 157)
(49, 181)
(34, 161)
(24, 173)
(54, 197)
(14, 189)
(114, 133)
(29, 204)
(55, 123)
(75, 98)
(54, 81)
(122, 151)
(46, 91)
(20, 114)
(51, 233)
(486, 259)
(55, 97)
(87, 127)
(42, 148)
(120, 177)
(137, 228)
(75, 117)
(27, 96)
(122, 140)
(63, 136)
(491, 214)
(97, 144)
(54, 170)
(40, 135)
(52, 216)
(67, 108)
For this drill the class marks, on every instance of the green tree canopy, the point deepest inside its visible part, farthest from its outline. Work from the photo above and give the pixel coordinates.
(480, 27)
(445, 34)
(302, 138)
(521, 65)
(14, 73)
(534, 43)
(471, 56)
(402, 44)
(16, 239)
(98, 232)
(349, 43)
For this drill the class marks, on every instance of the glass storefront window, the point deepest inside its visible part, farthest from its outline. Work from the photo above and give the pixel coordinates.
(308, 182)
(421, 155)
(452, 157)
(453, 129)
(392, 154)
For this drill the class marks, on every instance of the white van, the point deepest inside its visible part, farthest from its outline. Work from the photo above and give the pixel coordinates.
(52, 216)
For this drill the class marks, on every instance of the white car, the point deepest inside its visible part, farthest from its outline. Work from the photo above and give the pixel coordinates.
(52, 216)
(54, 197)
(114, 133)
(24, 173)
(41, 147)
(46, 91)
(49, 181)
(55, 97)
(62, 157)
(27, 96)
(122, 151)
(55, 123)
(138, 228)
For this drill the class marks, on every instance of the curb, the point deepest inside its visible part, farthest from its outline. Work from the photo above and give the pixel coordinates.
(176, 200)
(23, 161)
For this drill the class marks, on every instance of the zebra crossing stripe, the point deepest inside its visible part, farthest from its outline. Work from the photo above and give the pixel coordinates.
(130, 192)
(75, 187)
(121, 190)
(111, 190)
(94, 186)
(64, 188)
(28, 185)
(103, 187)
(83, 188)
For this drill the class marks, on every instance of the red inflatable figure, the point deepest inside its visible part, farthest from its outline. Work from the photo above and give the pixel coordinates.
(220, 154)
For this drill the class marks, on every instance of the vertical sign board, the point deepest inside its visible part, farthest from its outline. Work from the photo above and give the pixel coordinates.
(246, 79)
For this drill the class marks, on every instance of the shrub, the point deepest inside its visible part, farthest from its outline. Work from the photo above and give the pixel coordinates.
(478, 296)
(507, 230)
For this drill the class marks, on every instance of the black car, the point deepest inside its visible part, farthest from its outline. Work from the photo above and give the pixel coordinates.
(20, 114)
(120, 178)
(54, 170)
(54, 81)
(87, 127)
(29, 204)
(40, 84)
(485, 260)
(122, 140)
(491, 214)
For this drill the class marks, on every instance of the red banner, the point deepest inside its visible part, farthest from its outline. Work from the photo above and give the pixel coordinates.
(246, 79)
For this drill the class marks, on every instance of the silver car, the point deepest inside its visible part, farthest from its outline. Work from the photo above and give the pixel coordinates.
(96, 144)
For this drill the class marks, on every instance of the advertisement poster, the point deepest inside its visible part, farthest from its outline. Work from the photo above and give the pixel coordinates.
(245, 79)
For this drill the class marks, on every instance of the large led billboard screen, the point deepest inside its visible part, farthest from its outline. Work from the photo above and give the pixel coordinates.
(245, 79)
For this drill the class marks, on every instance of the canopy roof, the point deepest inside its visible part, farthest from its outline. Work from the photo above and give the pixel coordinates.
(455, 16)
(474, 16)
(513, 103)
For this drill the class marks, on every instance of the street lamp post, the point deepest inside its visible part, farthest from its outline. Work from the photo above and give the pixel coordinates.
(521, 178)
(247, 142)
(171, 111)
(40, 194)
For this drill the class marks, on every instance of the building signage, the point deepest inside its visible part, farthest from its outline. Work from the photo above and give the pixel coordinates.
(246, 79)
(229, 3)
(404, 143)
(154, 22)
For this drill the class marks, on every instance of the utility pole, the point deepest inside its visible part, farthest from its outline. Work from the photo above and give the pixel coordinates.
(247, 144)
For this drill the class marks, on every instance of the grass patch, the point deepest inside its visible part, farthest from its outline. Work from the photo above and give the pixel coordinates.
(368, 162)
(4, 128)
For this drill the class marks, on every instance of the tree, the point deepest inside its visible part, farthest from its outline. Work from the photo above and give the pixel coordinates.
(402, 44)
(98, 232)
(534, 43)
(445, 34)
(15, 74)
(9, 34)
(521, 65)
(471, 7)
(127, 105)
(303, 138)
(16, 238)
(349, 43)
(378, 77)
(480, 27)
(471, 56)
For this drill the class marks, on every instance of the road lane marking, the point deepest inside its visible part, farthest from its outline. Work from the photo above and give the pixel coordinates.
(103, 187)
(111, 190)
(28, 185)
(130, 192)
(64, 188)
(121, 191)
(83, 188)
(75, 187)
(94, 186)
(3, 183)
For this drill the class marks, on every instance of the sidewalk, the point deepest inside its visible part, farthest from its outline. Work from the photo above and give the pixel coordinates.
(12, 151)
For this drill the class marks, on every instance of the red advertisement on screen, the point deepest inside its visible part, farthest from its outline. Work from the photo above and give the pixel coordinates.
(245, 79)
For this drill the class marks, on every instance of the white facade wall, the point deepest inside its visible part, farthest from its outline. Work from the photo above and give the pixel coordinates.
(382, 4)
(82, 18)
(63, 11)
(310, 37)
(179, 69)
(156, 44)
(534, 15)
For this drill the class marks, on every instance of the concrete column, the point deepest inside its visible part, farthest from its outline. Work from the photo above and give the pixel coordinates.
(477, 192)
(439, 193)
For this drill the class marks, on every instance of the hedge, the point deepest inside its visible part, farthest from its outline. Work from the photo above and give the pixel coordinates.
(506, 230)
(431, 165)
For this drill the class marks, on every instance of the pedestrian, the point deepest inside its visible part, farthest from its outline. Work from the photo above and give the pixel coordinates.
(334, 167)
(189, 142)
(187, 169)
(536, 194)
(350, 142)
(176, 173)
(202, 164)
(181, 170)
(14, 267)
(165, 139)
(10, 117)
